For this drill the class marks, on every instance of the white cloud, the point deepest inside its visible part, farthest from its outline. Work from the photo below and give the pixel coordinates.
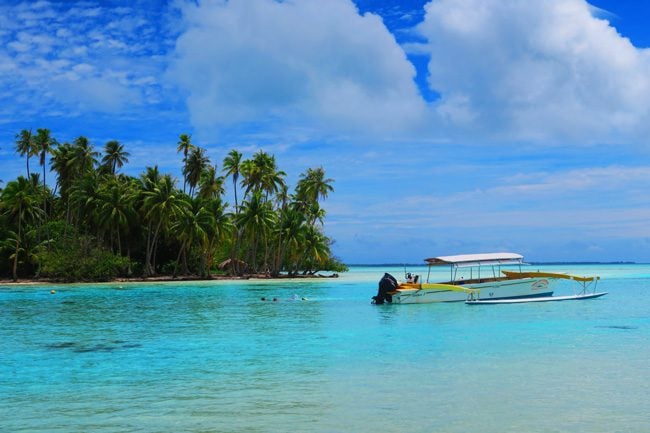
(294, 62)
(78, 58)
(542, 70)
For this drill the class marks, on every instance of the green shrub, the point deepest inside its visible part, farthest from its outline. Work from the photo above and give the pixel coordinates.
(81, 259)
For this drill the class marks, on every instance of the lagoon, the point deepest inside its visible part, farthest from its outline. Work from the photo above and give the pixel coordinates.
(212, 357)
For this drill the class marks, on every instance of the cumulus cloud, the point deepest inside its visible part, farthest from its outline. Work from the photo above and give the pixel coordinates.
(542, 70)
(294, 62)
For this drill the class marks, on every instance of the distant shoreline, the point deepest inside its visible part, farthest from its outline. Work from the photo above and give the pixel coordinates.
(528, 263)
(162, 279)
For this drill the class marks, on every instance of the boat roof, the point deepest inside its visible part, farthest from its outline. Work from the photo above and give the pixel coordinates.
(485, 259)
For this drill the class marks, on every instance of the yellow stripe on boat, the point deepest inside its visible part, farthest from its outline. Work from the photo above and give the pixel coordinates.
(517, 275)
(408, 287)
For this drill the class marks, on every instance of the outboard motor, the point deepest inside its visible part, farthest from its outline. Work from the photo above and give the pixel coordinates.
(388, 283)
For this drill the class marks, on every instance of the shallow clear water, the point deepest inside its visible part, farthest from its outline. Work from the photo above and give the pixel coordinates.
(213, 357)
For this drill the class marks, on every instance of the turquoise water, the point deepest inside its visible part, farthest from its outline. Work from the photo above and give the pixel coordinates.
(213, 357)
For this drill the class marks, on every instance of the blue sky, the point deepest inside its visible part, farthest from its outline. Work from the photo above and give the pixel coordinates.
(451, 126)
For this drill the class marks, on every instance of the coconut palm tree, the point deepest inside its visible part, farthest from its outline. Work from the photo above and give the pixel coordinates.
(316, 250)
(210, 185)
(160, 205)
(83, 197)
(313, 185)
(261, 174)
(114, 156)
(289, 234)
(115, 208)
(25, 146)
(256, 218)
(84, 157)
(20, 202)
(190, 227)
(44, 142)
(195, 164)
(62, 164)
(218, 227)
(232, 166)
(184, 145)
(150, 178)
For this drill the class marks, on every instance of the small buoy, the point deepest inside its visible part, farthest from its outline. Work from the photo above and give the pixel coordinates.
(52, 292)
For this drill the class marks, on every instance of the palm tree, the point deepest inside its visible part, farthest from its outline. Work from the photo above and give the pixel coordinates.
(261, 174)
(63, 166)
(210, 186)
(194, 167)
(150, 178)
(160, 205)
(218, 227)
(316, 248)
(83, 196)
(25, 145)
(184, 145)
(20, 202)
(114, 156)
(313, 185)
(84, 157)
(191, 224)
(232, 167)
(115, 208)
(289, 233)
(256, 218)
(44, 142)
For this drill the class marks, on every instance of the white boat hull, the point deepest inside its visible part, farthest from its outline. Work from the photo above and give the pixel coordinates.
(505, 289)
(537, 299)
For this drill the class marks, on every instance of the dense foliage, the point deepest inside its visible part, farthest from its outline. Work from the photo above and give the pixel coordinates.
(98, 224)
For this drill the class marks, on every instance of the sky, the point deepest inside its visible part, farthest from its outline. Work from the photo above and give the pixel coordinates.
(449, 126)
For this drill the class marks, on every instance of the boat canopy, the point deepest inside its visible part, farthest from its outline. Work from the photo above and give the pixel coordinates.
(467, 260)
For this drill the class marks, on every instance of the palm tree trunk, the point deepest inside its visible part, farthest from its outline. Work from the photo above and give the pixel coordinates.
(178, 260)
(186, 269)
(15, 266)
(147, 260)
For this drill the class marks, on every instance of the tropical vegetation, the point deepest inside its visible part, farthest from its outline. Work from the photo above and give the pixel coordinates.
(97, 223)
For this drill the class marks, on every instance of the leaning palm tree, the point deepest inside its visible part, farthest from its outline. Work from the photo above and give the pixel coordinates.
(114, 156)
(25, 145)
(232, 167)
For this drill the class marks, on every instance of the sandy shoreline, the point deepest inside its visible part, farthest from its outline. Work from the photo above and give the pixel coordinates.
(165, 278)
